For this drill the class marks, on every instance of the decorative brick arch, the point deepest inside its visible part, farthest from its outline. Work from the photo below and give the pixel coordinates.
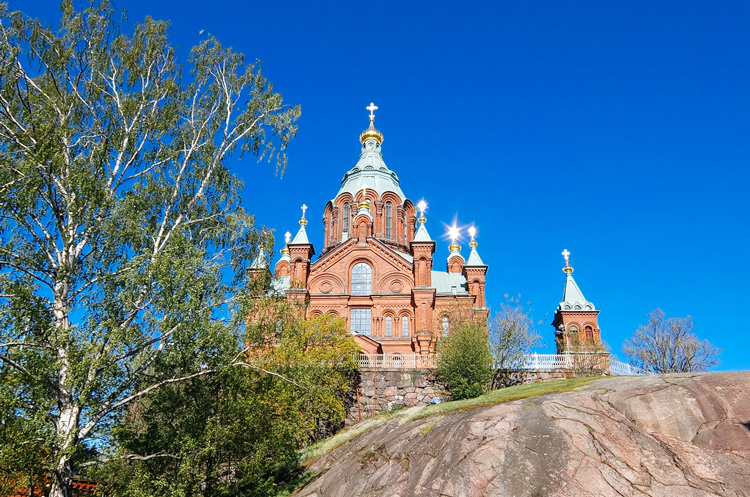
(334, 284)
(409, 320)
(329, 225)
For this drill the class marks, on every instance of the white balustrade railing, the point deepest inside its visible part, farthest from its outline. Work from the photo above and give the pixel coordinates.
(397, 361)
(624, 369)
(533, 361)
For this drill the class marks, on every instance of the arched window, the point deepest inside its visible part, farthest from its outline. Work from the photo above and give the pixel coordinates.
(589, 334)
(346, 217)
(388, 326)
(361, 279)
(404, 326)
(388, 220)
(446, 326)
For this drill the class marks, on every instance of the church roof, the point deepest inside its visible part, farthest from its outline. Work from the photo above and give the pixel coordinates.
(301, 236)
(449, 283)
(372, 173)
(573, 298)
(422, 235)
(474, 259)
(260, 261)
(409, 258)
(279, 285)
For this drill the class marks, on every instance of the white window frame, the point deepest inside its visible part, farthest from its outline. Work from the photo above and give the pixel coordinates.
(361, 279)
(360, 321)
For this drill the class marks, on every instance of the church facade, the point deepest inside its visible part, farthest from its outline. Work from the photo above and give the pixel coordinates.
(376, 268)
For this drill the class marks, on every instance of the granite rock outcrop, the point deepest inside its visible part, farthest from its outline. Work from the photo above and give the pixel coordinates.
(685, 435)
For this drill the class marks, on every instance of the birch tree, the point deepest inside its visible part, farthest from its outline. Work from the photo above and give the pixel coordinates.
(123, 247)
(668, 345)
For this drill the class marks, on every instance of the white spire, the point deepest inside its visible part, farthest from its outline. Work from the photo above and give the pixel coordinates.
(260, 261)
(301, 236)
(421, 234)
(474, 259)
(573, 299)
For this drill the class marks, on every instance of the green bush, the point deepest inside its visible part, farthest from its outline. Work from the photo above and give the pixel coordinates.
(465, 363)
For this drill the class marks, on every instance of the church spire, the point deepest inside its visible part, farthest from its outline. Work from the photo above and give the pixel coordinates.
(422, 235)
(474, 259)
(301, 236)
(573, 298)
(454, 247)
(285, 253)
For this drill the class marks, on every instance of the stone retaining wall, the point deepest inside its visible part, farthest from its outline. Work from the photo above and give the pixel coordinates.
(383, 390)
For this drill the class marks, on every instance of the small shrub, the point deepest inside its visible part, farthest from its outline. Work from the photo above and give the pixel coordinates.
(465, 363)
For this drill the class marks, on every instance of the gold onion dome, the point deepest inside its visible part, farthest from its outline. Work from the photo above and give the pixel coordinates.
(454, 247)
(568, 269)
(371, 132)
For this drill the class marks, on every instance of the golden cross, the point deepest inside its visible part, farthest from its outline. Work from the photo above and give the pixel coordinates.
(566, 254)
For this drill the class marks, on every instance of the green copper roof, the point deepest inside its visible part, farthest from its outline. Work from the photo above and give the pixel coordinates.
(371, 172)
(573, 299)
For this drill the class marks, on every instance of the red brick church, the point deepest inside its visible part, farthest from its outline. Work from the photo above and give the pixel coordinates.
(375, 268)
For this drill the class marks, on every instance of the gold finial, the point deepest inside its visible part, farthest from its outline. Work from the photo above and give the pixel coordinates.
(364, 203)
(453, 232)
(287, 239)
(421, 207)
(371, 132)
(303, 221)
(472, 232)
(568, 268)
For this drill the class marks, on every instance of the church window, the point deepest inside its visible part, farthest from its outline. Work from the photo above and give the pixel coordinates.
(589, 334)
(360, 321)
(573, 329)
(405, 326)
(388, 220)
(446, 326)
(346, 216)
(361, 279)
(388, 326)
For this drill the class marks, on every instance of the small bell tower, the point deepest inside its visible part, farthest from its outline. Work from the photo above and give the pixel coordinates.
(575, 321)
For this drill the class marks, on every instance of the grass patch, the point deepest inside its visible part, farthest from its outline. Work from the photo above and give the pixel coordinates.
(429, 426)
(504, 395)
(415, 413)
(324, 446)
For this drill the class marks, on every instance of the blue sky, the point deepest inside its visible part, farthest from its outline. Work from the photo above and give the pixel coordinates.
(620, 131)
